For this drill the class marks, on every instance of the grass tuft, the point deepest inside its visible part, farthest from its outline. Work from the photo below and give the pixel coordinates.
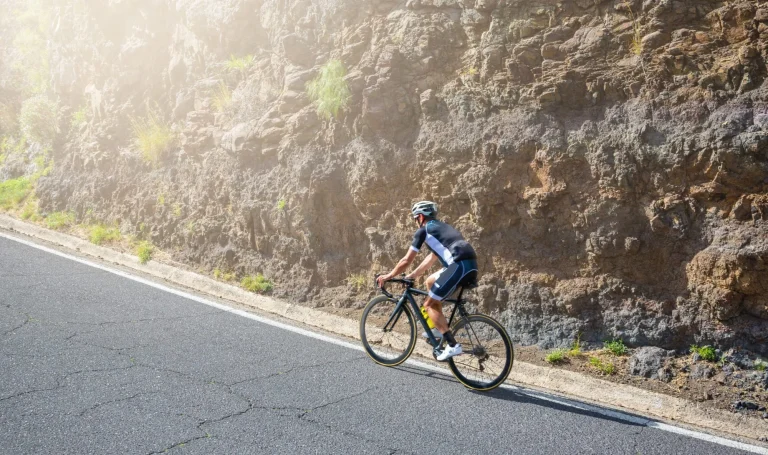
(576, 350)
(329, 91)
(281, 205)
(606, 368)
(241, 64)
(29, 211)
(636, 47)
(761, 365)
(144, 251)
(256, 283)
(13, 192)
(358, 281)
(153, 136)
(221, 275)
(616, 347)
(705, 352)
(59, 220)
(556, 356)
(222, 98)
(99, 234)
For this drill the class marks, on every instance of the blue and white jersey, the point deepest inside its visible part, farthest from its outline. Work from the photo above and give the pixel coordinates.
(445, 241)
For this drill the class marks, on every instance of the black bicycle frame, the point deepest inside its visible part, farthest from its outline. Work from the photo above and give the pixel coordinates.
(408, 295)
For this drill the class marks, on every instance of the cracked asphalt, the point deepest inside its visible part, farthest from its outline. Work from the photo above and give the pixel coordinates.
(94, 363)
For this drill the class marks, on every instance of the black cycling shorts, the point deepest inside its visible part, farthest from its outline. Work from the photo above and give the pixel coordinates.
(457, 273)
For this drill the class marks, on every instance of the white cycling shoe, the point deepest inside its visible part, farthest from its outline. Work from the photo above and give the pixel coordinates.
(449, 352)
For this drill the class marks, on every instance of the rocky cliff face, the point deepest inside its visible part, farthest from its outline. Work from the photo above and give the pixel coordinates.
(607, 159)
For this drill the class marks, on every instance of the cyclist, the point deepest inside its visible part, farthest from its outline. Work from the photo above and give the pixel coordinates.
(459, 267)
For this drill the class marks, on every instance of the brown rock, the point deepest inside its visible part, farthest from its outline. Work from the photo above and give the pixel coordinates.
(655, 40)
(551, 51)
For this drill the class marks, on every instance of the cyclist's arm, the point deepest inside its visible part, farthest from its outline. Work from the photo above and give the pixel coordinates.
(400, 267)
(423, 267)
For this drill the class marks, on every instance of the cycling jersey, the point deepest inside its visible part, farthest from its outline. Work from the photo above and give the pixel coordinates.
(445, 241)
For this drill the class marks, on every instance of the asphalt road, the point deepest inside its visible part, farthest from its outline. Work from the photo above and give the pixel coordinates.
(94, 363)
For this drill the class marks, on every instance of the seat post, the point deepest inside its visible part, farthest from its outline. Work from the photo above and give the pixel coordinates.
(461, 292)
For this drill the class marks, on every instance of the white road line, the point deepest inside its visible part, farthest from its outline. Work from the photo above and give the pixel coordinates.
(423, 365)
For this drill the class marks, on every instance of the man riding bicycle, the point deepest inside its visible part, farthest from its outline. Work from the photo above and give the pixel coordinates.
(459, 267)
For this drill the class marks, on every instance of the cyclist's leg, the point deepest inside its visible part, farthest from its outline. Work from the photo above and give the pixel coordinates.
(441, 289)
(430, 281)
(435, 312)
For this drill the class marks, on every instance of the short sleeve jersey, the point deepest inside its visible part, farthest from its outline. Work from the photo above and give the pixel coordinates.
(445, 241)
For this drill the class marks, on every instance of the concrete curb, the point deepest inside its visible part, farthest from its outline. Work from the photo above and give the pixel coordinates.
(565, 382)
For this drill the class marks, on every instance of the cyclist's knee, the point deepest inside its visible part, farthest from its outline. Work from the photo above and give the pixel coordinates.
(431, 279)
(432, 303)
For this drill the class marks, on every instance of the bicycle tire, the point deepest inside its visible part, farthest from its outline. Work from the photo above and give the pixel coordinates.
(484, 341)
(387, 348)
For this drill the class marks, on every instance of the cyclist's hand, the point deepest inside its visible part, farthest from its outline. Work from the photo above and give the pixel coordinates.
(383, 279)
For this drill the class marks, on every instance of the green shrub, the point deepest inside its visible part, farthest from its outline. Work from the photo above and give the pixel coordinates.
(761, 365)
(99, 234)
(222, 98)
(13, 192)
(556, 356)
(705, 352)
(281, 205)
(153, 137)
(59, 220)
(38, 119)
(329, 91)
(144, 251)
(358, 281)
(616, 347)
(606, 368)
(257, 283)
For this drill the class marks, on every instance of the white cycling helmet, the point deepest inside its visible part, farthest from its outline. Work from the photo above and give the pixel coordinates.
(426, 208)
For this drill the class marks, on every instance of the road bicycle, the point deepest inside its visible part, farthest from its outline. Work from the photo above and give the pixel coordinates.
(388, 332)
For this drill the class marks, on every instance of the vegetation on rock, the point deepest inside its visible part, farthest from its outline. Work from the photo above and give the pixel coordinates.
(13, 192)
(144, 251)
(329, 91)
(256, 283)
(153, 137)
(99, 234)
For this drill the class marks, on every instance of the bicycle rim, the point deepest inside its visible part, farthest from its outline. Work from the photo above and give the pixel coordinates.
(391, 347)
(488, 353)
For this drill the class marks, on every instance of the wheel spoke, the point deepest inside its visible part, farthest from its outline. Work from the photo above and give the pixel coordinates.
(391, 346)
(487, 358)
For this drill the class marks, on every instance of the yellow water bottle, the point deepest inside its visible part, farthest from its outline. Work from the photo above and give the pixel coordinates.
(430, 324)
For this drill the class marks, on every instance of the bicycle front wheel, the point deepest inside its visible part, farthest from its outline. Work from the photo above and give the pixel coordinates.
(488, 353)
(387, 337)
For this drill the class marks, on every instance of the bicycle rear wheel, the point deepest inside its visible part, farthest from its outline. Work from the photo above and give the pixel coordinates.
(488, 353)
(392, 346)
